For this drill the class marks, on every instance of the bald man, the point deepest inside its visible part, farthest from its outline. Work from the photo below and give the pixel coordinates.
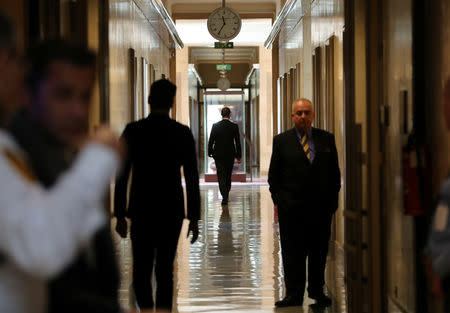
(305, 180)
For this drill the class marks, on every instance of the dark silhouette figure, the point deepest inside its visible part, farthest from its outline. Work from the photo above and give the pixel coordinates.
(60, 83)
(224, 146)
(304, 180)
(158, 147)
(437, 258)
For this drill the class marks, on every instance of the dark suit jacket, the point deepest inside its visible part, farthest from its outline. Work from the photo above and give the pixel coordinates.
(295, 182)
(91, 282)
(224, 141)
(157, 148)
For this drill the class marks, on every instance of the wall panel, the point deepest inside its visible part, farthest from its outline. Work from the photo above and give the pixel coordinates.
(15, 10)
(399, 228)
(130, 28)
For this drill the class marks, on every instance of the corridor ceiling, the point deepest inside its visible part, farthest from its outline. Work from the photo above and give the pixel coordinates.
(210, 55)
(200, 9)
(241, 56)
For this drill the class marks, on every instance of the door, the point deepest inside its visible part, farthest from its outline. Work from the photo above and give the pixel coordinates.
(214, 101)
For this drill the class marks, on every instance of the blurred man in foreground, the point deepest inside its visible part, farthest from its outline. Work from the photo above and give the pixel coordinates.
(438, 248)
(43, 229)
(51, 130)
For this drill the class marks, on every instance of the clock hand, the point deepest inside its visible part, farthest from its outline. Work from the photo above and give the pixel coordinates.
(223, 19)
(221, 28)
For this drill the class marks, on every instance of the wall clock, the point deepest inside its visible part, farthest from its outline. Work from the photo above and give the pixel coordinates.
(224, 23)
(223, 83)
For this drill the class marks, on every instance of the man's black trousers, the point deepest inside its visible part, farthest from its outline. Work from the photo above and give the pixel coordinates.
(304, 235)
(156, 249)
(224, 171)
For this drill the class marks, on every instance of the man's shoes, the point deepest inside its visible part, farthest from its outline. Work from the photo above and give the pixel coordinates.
(321, 299)
(289, 301)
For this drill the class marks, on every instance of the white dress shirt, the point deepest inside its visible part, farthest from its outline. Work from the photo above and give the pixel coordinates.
(41, 230)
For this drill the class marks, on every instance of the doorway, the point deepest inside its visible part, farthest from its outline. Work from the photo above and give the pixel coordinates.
(214, 101)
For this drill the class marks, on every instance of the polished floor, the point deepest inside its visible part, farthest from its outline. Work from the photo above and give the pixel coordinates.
(236, 264)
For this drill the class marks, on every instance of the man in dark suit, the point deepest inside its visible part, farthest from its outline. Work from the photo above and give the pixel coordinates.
(51, 129)
(224, 146)
(157, 149)
(304, 181)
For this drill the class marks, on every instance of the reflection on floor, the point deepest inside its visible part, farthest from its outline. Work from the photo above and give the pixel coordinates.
(235, 265)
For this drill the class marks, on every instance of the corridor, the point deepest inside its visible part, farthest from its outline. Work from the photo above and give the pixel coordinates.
(236, 264)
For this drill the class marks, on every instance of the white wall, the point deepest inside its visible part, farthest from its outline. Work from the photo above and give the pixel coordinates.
(265, 108)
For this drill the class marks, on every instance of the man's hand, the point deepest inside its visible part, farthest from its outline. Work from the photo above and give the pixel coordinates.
(239, 160)
(103, 135)
(193, 227)
(122, 227)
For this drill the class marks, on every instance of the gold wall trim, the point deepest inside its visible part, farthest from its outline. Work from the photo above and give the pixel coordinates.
(287, 8)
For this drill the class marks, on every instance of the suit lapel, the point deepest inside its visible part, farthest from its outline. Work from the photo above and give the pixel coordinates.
(318, 145)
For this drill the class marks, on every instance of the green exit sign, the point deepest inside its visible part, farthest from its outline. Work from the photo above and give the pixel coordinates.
(223, 45)
(223, 67)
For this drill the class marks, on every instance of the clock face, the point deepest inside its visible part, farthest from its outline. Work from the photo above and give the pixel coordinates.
(223, 83)
(224, 24)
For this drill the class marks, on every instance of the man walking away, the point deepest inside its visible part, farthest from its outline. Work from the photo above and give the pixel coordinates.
(158, 147)
(224, 146)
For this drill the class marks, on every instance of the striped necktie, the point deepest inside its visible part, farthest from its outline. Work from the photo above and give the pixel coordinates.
(306, 146)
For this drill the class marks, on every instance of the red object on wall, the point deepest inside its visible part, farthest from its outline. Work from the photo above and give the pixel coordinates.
(412, 191)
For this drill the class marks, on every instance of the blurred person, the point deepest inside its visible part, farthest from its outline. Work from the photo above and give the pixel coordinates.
(158, 147)
(50, 129)
(304, 180)
(43, 229)
(224, 146)
(438, 246)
